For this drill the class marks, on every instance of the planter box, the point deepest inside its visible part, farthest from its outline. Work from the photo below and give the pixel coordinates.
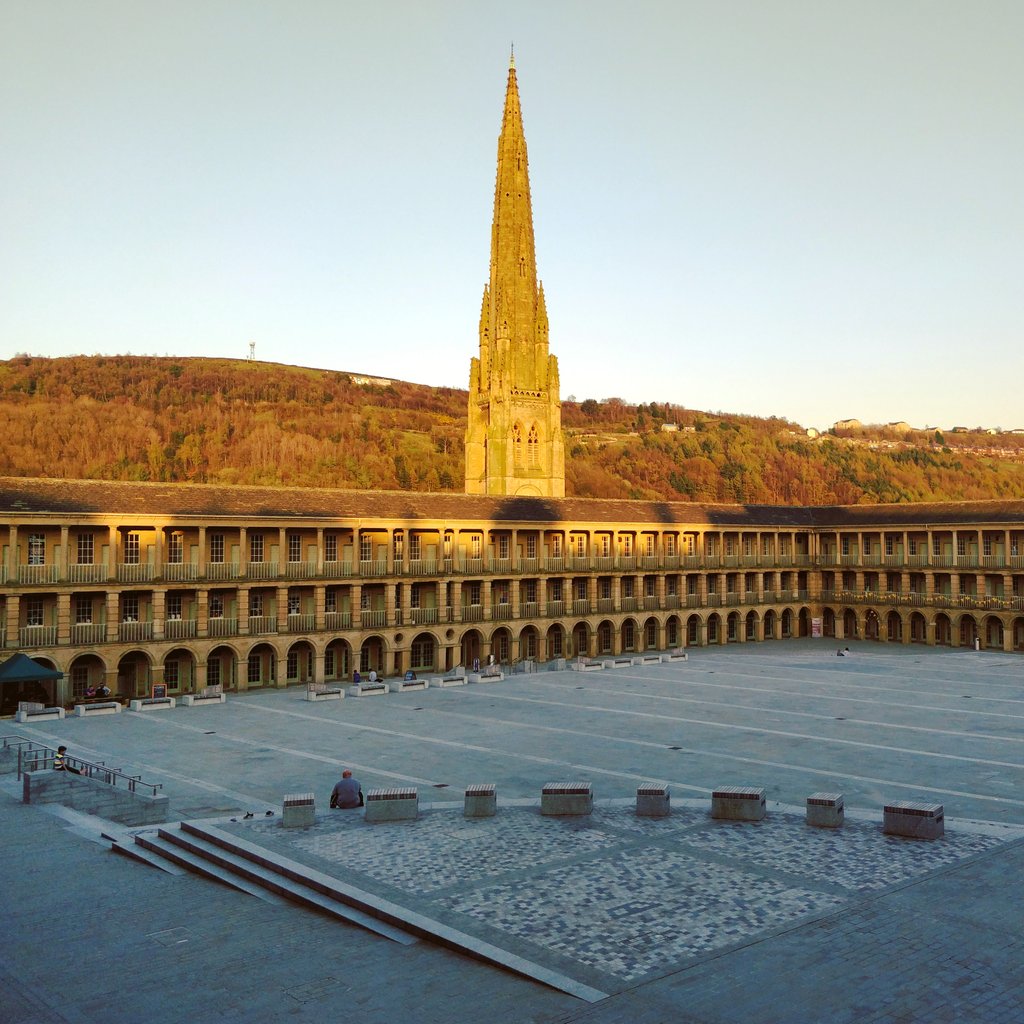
(565, 798)
(915, 821)
(738, 803)
(481, 800)
(652, 800)
(825, 810)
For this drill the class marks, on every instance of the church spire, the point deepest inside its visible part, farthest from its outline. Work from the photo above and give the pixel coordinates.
(514, 382)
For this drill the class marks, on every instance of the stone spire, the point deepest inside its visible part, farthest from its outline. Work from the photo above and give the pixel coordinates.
(514, 434)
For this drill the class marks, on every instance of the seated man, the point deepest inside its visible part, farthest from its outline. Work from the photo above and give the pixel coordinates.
(409, 675)
(373, 675)
(103, 690)
(90, 692)
(347, 793)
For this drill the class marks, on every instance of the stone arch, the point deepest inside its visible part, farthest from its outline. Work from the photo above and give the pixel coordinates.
(517, 445)
(605, 632)
(918, 628)
(786, 623)
(555, 646)
(501, 645)
(1018, 634)
(733, 628)
(84, 671)
(529, 643)
(337, 660)
(471, 648)
(693, 624)
(894, 627)
(300, 662)
(180, 670)
(373, 655)
(850, 626)
(261, 666)
(771, 621)
(750, 625)
(673, 631)
(992, 633)
(222, 667)
(650, 634)
(828, 622)
(872, 627)
(134, 674)
(423, 652)
(628, 635)
(943, 630)
(714, 627)
(803, 622)
(533, 447)
(968, 630)
(581, 639)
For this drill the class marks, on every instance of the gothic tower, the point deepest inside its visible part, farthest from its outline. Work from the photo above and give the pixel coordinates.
(514, 436)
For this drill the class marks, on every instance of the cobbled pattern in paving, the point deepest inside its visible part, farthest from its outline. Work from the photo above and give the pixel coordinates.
(622, 897)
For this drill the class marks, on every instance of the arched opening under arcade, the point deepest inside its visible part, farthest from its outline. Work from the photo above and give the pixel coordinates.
(580, 640)
(894, 627)
(968, 631)
(943, 630)
(261, 666)
(992, 633)
(222, 667)
(803, 622)
(423, 653)
(750, 625)
(771, 621)
(134, 675)
(300, 662)
(850, 630)
(470, 648)
(555, 641)
(650, 635)
(1018, 634)
(732, 627)
(693, 630)
(605, 631)
(372, 655)
(918, 628)
(872, 630)
(87, 670)
(501, 645)
(627, 636)
(180, 670)
(828, 622)
(529, 643)
(714, 628)
(786, 623)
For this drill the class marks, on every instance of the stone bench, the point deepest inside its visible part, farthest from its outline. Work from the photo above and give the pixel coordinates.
(442, 681)
(398, 803)
(825, 810)
(145, 704)
(401, 685)
(617, 662)
(677, 655)
(652, 800)
(298, 810)
(324, 693)
(915, 821)
(39, 715)
(564, 798)
(738, 803)
(367, 689)
(586, 666)
(103, 707)
(202, 700)
(481, 800)
(647, 659)
(486, 677)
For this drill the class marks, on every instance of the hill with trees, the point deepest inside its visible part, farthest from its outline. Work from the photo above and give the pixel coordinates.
(239, 422)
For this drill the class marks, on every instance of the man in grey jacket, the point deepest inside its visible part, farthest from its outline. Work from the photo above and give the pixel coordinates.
(347, 793)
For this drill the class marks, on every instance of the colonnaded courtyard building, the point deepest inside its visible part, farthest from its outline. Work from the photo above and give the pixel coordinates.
(191, 586)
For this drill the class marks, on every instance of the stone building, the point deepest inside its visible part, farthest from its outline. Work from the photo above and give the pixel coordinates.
(192, 585)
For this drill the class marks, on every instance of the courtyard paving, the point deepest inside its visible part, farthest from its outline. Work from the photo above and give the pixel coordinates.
(676, 919)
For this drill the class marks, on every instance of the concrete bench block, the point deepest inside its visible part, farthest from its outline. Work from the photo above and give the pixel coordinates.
(325, 693)
(587, 666)
(152, 704)
(402, 685)
(738, 803)
(199, 700)
(915, 821)
(647, 659)
(565, 798)
(825, 810)
(611, 663)
(108, 707)
(298, 810)
(399, 803)
(42, 715)
(674, 656)
(486, 677)
(652, 800)
(443, 681)
(481, 800)
(367, 689)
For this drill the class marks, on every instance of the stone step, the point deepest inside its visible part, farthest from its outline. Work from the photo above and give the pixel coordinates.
(262, 877)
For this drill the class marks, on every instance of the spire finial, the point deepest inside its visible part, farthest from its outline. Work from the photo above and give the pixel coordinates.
(512, 57)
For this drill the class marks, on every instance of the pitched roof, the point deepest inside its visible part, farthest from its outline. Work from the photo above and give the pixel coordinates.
(26, 496)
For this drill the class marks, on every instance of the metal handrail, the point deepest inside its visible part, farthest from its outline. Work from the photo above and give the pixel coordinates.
(38, 756)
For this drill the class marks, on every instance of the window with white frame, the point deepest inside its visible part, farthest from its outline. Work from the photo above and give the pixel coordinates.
(476, 544)
(581, 545)
(889, 544)
(628, 636)
(691, 543)
(961, 546)
(580, 587)
(36, 549)
(529, 591)
(628, 583)
(604, 587)
(79, 680)
(173, 606)
(330, 547)
(129, 608)
(33, 611)
(866, 542)
(556, 590)
(132, 547)
(414, 596)
(86, 550)
(365, 548)
(503, 545)
(766, 545)
(293, 665)
(649, 545)
(171, 673)
(845, 545)
(217, 548)
(670, 545)
(627, 545)
(294, 604)
(254, 668)
(531, 545)
(83, 610)
(447, 545)
(936, 545)
(331, 601)
(398, 545)
(650, 586)
(329, 662)
(422, 652)
(986, 545)
(213, 672)
(730, 544)
(415, 547)
(216, 606)
(294, 547)
(256, 547)
(748, 546)
(555, 640)
(175, 547)
(255, 604)
(474, 592)
(606, 545)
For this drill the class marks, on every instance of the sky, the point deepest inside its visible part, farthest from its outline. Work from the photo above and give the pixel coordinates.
(798, 208)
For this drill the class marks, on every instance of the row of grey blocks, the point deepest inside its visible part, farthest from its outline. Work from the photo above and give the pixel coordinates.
(653, 800)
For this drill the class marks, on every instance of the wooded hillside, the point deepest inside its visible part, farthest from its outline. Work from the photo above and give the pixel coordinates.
(236, 422)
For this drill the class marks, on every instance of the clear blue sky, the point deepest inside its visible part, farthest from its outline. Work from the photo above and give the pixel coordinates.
(809, 209)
